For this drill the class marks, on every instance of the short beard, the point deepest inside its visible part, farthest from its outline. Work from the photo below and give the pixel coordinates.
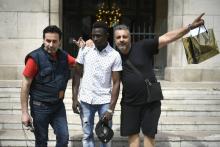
(124, 49)
(121, 48)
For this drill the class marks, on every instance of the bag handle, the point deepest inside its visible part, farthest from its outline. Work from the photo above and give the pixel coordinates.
(198, 30)
(205, 36)
(204, 28)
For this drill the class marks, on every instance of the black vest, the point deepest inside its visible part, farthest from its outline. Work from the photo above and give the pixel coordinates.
(52, 75)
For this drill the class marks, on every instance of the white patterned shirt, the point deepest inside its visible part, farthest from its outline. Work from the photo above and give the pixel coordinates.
(95, 86)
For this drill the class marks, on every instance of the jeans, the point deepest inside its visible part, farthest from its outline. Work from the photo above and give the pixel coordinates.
(55, 115)
(87, 114)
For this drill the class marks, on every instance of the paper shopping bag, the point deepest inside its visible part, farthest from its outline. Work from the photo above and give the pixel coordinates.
(200, 47)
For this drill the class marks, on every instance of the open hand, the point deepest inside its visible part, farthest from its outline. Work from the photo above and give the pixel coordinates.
(80, 43)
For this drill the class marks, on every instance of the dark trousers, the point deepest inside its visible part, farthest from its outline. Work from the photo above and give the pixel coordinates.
(54, 114)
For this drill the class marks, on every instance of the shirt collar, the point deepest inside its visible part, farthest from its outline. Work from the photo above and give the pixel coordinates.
(106, 49)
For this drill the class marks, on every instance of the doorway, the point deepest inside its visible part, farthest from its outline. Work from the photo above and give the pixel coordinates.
(145, 18)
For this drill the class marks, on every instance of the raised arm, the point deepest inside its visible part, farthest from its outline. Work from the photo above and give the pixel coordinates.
(176, 34)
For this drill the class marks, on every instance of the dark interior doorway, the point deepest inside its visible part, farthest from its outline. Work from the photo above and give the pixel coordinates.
(140, 15)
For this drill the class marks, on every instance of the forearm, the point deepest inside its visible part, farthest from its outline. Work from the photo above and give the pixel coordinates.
(24, 102)
(114, 95)
(75, 87)
(172, 36)
(76, 82)
(176, 34)
(24, 96)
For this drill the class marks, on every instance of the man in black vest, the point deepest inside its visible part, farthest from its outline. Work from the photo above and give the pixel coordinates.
(45, 77)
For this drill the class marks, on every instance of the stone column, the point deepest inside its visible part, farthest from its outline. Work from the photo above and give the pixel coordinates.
(181, 13)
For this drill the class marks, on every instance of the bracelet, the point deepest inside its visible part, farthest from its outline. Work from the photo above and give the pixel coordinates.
(189, 27)
(110, 111)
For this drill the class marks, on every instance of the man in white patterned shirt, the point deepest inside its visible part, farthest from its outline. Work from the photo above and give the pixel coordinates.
(99, 68)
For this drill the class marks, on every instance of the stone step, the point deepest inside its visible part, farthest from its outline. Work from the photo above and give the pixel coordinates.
(172, 89)
(165, 123)
(17, 138)
(164, 102)
(168, 107)
(167, 100)
(165, 106)
(171, 96)
(16, 98)
(190, 117)
(165, 84)
(163, 113)
(6, 96)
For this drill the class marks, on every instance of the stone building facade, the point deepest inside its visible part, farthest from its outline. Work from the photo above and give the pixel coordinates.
(22, 22)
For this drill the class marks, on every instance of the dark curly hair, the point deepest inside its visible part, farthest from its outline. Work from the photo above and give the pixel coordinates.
(100, 24)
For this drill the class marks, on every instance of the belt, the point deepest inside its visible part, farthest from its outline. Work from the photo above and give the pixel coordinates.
(40, 103)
